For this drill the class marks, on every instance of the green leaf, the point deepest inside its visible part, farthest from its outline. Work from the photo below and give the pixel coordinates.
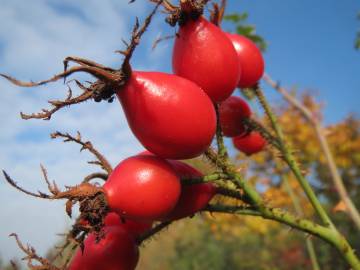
(239, 20)
(236, 17)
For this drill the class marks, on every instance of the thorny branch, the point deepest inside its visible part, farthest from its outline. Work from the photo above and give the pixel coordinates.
(309, 116)
(152, 231)
(110, 80)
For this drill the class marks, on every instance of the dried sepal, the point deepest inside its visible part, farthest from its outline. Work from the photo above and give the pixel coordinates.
(85, 145)
(46, 114)
(217, 12)
(31, 257)
(109, 80)
(137, 32)
(160, 39)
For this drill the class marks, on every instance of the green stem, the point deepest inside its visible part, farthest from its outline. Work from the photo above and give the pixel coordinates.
(239, 210)
(328, 232)
(251, 195)
(309, 243)
(231, 193)
(331, 235)
(312, 254)
(319, 131)
(222, 151)
(140, 239)
(288, 157)
(251, 124)
(276, 214)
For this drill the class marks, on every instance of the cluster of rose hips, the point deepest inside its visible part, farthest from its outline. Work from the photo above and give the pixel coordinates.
(174, 117)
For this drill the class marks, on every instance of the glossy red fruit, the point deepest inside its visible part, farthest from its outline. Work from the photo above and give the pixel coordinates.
(251, 60)
(142, 188)
(205, 55)
(116, 251)
(250, 143)
(231, 112)
(194, 197)
(135, 228)
(171, 116)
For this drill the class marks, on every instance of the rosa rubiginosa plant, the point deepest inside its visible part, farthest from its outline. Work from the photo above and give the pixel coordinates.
(176, 117)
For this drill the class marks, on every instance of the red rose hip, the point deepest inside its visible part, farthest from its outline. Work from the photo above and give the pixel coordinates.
(251, 60)
(117, 250)
(204, 54)
(250, 143)
(142, 188)
(135, 228)
(193, 197)
(231, 112)
(171, 116)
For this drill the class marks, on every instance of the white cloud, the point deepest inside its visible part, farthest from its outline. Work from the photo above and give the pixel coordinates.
(34, 38)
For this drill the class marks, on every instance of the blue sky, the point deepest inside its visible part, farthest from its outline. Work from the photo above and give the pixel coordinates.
(310, 46)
